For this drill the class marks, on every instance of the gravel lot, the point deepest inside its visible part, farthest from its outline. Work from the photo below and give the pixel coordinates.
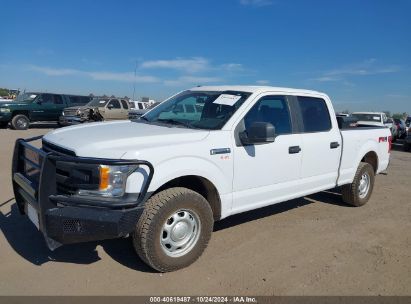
(308, 246)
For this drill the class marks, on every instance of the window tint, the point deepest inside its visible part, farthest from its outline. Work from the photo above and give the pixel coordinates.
(124, 103)
(190, 108)
(140, 106)
(315, 115)
(115, 103)
(58, 99)
(78, 99)
(272, 109)
(46, 98)
(84, 100)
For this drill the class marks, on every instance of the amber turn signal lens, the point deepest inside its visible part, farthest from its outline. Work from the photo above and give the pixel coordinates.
(104, 177)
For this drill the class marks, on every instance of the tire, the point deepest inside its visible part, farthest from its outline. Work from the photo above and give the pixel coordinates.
(20, 122)
(352, 194)
(183, 213)
(407, 147)
(3, 124)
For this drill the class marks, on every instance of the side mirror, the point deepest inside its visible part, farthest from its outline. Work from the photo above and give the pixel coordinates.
(110, 106)
(258, 133)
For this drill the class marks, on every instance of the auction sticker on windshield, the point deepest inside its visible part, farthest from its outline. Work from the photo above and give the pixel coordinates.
(227, 99)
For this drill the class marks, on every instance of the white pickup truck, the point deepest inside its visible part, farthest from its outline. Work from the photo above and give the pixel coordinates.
(165, 178)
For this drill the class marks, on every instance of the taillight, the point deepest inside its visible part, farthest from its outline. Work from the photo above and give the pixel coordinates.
(389, 144)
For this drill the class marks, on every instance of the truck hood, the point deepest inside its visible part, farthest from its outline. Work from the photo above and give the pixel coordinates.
(114, 139)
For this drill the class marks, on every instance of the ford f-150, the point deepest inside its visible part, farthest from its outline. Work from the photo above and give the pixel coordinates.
(166, 178)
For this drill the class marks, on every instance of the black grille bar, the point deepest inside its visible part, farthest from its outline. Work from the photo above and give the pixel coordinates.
(53, 186)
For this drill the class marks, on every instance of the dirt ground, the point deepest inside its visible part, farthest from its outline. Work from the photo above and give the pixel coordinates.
(308, 246)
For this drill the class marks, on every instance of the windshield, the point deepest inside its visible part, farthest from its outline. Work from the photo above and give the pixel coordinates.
(98, 102)
(367, 117)
(26, 97)
(198, 109)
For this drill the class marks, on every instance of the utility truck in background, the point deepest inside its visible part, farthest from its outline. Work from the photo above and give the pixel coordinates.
(165, 178)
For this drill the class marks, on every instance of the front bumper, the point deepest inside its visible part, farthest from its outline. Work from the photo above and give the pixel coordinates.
(65, 219)
(5, 117)
(71, 120)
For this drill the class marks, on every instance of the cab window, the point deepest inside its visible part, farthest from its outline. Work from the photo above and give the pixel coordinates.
(271, 109)
(114, 104)
(314, 113)
(124, 103)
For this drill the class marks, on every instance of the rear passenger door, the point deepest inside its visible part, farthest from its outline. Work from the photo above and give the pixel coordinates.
(125, 109)
(321, 144)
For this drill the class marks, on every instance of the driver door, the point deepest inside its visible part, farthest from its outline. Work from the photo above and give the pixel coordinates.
(113, 110)
(45, 108)
(267, 173)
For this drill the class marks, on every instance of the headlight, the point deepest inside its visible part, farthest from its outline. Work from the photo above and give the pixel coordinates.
(112, 181)
(4, 110)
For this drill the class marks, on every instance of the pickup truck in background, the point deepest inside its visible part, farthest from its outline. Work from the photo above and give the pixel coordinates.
(373, 119)
(166, 178)
(98, 109)
(34, 107)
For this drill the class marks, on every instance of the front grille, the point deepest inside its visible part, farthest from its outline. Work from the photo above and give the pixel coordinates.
(64, 183)
(70, 112)
(72, 226)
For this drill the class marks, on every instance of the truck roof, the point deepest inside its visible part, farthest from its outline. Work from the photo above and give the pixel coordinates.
(254, 89)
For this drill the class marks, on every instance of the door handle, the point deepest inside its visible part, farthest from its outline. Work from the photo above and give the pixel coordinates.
(294, 149)
(334, 145)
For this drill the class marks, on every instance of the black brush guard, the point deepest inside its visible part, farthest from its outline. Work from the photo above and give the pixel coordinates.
(63, 218)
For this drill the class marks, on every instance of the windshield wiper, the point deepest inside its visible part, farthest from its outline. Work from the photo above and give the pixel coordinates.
(176, 122)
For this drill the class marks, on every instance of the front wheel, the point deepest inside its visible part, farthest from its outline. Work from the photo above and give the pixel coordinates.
(359, 191)
(20, 122)
(174, 229)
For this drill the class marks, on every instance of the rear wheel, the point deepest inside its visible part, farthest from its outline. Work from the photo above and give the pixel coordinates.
(359, 191)
(20, 122)
(174, 229)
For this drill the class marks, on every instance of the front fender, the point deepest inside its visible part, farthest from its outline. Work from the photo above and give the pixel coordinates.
(170, 169)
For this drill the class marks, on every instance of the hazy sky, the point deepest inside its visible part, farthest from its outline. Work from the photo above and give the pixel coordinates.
(358, 52)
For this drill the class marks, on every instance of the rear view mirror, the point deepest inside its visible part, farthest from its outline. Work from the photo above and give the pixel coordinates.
(258, 133)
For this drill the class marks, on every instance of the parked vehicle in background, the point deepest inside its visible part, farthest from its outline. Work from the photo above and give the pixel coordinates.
(98, 109)
(399, 129)
(408, 124)
(407, 142)
(198, 157)
(372, 119)
(33, 107)
(136, 113)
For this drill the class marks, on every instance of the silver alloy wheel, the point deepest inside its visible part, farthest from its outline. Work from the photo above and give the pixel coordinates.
(180, 233)
(364, 185)
(21, 123)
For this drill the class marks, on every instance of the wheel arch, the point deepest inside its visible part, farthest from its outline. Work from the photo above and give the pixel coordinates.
(199, 184)
(371, 157)
(21, 112)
